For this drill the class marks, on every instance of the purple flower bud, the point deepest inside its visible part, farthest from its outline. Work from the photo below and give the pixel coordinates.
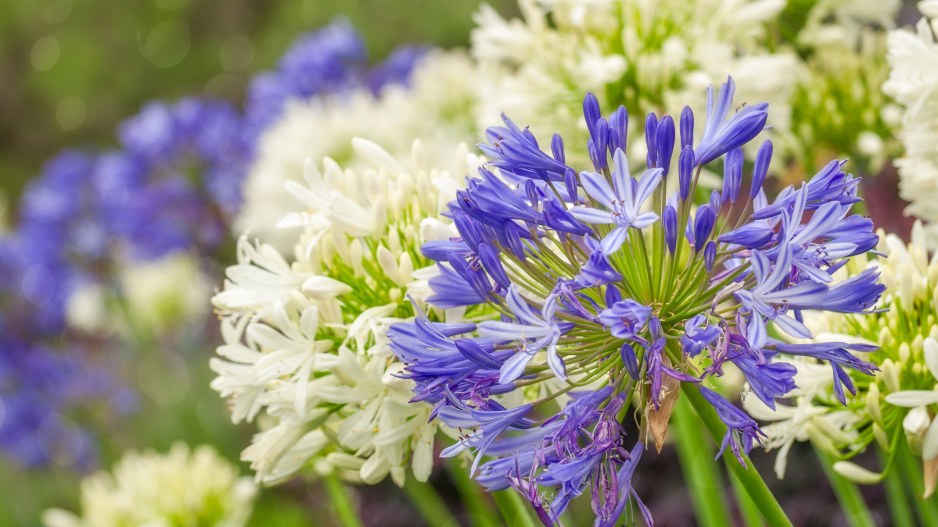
(534, 194)
(721, 134)
(629, 359)
(670, 228)
(763, 158)
(665, 142)
(715, 201)
(702, 226)
(685, 170)
(732, 174)
(493, 266)
(710, 255)
(513, 237)
(612, 295)
(751, 236)
(597, 156)
(651, 139)
(618, 129)
(602, 136)
(556, 148)
(654, 328)
(591, 112)
(570, 182)
(687, 127)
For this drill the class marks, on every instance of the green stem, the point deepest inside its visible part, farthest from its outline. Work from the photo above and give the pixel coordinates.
(475, 501)
(895, 492)
(908, 465)
(427, 501)
(747, 508)
(342, 501)
(848, 494)
(701, 471)
(749, 478)
(513, 509)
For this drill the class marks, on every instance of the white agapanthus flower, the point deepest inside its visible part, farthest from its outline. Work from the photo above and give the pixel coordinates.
(437, 107)
(149, 296)
(649, 55)
(305, 350)
(175, 489)
(913, 83)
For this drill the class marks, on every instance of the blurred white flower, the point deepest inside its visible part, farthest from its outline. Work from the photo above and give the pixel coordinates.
(175, 489)
(436, 107)
(306, 351)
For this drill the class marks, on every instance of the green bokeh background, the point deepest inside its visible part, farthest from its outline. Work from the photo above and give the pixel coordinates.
(71, 70)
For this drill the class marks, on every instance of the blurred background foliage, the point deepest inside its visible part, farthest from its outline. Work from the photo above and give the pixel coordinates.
(72, 70)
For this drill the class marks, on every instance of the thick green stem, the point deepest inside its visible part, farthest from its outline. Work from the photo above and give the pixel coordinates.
(848, 494)
(899, 509)
(747, 508)
(427, 501)
(701, 471)
(477, 503)
(751, 480)
(341, 500)
(513, 509)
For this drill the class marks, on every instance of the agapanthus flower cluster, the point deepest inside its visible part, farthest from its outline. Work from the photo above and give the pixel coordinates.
(306, 352)
(435, 105)
(611, 293)
(912, 82)
(899, 402)
(330, 60)
(660, 56)
(180, 487)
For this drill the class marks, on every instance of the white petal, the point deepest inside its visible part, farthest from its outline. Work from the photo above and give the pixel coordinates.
(912, 398)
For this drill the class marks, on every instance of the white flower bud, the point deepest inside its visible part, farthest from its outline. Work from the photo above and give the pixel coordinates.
(418, 156)
(904, 353)
(916, 421)
(890, 375)
(374, 186)
(394, 241)
(346, 461)
(323, 287)
(381, 216)
(407, 268)
(377, 157)
(374, 470)
(389, 266)
(872, 404)
(856, 473)
(930, 351)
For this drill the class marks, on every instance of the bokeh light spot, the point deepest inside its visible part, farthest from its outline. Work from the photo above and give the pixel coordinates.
(60, 439)
(236, 53)
(38, 285)
(167, 44)
(45, 53)
(70, 113)
(57, 11)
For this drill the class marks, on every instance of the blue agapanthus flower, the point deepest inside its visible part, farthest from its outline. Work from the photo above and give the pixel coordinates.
(328, 61)
(612, 292)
